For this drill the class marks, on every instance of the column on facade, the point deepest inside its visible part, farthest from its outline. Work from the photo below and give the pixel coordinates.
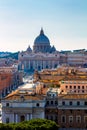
(14, 86)
(24, 65)
(4, 92)
(12, 118)
(37, 64)
(16, 118)
(52, 64)
(58, 62)
(42, 115)
(8, 90)
(33, 64)
(44, 64)
(31, 116)
(41, 64)
(28, 117)
(0, 94)
(29, 64)
(49, 66)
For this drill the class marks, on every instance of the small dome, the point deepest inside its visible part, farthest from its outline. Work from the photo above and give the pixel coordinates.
(29, 49)
(42, 39)
(53, 49)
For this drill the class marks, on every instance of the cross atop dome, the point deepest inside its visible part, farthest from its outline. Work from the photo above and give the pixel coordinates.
(41, 32)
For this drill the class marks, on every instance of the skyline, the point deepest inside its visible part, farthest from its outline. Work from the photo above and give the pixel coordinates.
(64, 22)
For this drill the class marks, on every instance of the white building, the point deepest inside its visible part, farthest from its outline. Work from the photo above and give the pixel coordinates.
(43, 56)
(21, 105)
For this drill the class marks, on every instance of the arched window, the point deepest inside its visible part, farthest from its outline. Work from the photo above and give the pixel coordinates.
(78, 119)
(82, 87)
(78, 87)
(70, 119)
(70, 87)
(74, 87)
(37, 104)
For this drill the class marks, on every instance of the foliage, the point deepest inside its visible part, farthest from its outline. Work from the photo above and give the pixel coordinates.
(12, 55)
(34, 124)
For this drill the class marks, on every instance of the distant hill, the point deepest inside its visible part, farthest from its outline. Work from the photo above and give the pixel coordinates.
(9, 55)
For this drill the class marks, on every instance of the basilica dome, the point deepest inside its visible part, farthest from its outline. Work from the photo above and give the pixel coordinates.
(42, 38)
(41, 43)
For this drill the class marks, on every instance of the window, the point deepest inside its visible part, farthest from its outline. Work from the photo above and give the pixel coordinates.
(63, 103)
(78, 119)
(74, 87)
(53, 95)
(78, 91)
(47, 102)
(78, 87)
(85, 103)
(70, 119)
(63, 118)
(37, 104)
(62, 91)
(7, 120)
(70, 103)
(51, 102)
(78, 103)
(7, 104)
(56, 103)
(82, 91)
(82, 87)
(66, 86)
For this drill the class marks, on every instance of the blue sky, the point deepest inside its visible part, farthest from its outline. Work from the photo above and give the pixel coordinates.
(63, 21)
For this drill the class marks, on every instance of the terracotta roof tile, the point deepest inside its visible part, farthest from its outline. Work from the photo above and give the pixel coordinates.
(17, 96)
(73, 96)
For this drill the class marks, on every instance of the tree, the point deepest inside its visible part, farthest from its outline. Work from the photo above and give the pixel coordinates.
(34, 124)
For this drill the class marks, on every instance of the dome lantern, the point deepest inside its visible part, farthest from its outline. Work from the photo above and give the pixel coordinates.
(41, 32)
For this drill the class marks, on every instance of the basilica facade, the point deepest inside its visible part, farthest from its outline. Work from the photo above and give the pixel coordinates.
(45, 56)
(42, 56)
